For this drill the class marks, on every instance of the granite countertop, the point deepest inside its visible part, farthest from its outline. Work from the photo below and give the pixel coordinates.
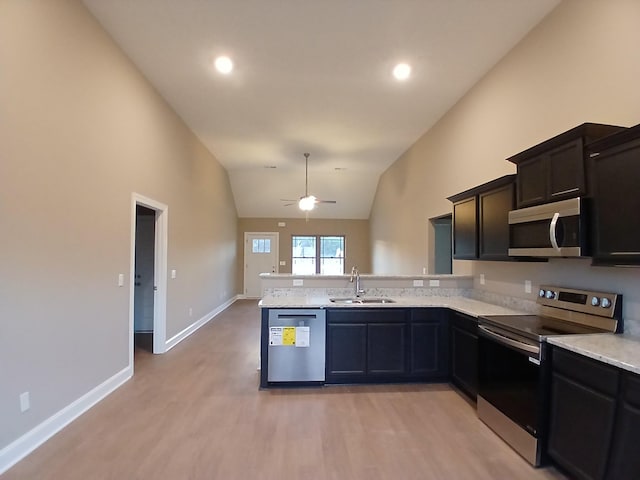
(621, 351)
(468, 306)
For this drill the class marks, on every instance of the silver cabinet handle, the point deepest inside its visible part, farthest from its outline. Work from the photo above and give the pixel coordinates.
(552, 231)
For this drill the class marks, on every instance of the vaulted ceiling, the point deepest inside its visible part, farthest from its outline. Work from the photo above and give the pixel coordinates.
(313, 76)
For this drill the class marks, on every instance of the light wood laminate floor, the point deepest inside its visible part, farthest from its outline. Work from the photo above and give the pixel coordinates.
(197, 413)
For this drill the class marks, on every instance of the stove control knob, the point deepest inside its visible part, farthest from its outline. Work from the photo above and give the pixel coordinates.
(550, 294)
(541, 293)
(605, 303)
(595, 301)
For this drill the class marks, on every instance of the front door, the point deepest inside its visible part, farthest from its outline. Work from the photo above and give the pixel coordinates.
(260, 256)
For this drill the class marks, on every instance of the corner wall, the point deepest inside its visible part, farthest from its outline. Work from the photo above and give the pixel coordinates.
(80, 131)
(578, 65)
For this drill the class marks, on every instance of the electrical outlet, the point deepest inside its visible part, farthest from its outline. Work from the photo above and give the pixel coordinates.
(482, 279)
(25, 402)
(121, 279)
(434, 283)
(173, 274)
(527, 286)
(283, 263)
(298, 282)
(424, 270)
(418, 283)
(190, 312)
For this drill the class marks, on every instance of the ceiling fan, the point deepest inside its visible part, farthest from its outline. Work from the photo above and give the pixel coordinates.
(307, 202)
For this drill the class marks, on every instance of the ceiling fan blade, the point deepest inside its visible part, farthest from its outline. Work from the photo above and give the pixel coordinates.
(326, 201)
(287, 200)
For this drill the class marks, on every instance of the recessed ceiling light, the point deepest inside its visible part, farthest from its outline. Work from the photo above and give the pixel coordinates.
(402, 71)
(224, 65)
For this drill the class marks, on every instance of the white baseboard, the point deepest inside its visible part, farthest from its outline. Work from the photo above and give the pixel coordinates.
(173, 341)
(27, 443)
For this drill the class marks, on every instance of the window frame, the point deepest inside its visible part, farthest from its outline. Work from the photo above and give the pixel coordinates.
(318, 239)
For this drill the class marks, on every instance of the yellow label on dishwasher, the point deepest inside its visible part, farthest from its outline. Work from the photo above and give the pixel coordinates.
(288, 335)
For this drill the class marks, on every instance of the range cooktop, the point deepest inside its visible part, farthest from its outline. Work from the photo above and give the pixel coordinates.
(564, 311)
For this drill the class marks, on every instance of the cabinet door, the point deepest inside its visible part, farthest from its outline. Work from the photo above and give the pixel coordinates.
(616, 204)
(624, 463)
(465, 230)
(346, 350)
(566, 171)
(532, 181)
(494, 223)
(464, 353)
(428, 351)
(582, 414)
(386, 348)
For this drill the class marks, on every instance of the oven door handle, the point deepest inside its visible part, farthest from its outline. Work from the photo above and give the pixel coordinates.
(509, 341)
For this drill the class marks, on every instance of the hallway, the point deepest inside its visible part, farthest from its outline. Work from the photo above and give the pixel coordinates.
(196, 413)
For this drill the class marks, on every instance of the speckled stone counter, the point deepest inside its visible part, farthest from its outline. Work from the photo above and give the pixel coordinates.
(621, 351)
(464, 305)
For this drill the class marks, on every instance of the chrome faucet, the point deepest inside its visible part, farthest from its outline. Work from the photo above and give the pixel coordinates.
(355, 274)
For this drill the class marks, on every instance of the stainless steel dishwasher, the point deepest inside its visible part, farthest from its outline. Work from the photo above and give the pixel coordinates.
(296, 345)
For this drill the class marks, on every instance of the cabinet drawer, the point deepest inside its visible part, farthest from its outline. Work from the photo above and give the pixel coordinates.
(585, 371)
(367, 315)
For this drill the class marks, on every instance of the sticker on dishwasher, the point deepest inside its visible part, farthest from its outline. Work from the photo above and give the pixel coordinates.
(288, 336)
(302, 336)
(275, 336)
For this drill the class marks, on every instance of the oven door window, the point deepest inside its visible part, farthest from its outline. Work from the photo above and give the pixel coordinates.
(511, 382)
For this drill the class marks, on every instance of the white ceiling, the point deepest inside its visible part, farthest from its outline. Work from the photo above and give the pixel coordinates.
(313, 76)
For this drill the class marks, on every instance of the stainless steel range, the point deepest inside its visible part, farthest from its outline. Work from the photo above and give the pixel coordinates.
(513, 366)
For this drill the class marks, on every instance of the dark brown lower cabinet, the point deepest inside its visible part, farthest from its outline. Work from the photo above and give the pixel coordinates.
(374, 345)
(624, 463)
(582, 416)
(464, 353)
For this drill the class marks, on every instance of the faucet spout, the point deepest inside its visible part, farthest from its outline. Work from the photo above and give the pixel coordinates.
(355, 275)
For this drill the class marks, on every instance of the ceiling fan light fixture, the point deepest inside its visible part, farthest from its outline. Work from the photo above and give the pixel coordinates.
(307, 203)
(224, 65)
(402, 71)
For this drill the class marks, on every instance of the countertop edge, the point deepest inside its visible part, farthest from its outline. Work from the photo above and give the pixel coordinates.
(613, 349)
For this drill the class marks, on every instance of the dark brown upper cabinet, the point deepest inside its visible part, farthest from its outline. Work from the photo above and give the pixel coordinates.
(556, 169)
(615, 223)
(481, 220)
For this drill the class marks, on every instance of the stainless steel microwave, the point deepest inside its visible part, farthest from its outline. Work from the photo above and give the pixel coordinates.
(557, 229)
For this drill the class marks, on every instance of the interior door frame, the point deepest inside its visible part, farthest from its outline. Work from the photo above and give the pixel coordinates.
(244, 256)
(159, 273)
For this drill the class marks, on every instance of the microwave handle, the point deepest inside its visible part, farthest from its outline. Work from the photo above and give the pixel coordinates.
(552, 231)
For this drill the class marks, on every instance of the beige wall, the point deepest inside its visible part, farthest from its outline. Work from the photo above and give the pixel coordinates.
(356, 234)
(80, 130)
(580, 64)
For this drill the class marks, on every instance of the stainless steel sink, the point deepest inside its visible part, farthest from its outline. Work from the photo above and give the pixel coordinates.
(358, 300)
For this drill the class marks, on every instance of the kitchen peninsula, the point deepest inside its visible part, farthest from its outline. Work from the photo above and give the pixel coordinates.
(407, 329)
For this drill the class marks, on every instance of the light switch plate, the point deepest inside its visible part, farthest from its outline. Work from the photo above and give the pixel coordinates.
(434, 283)
(527, 286)
(482, 279)
(25, 402)
(173, 274)
(121, 279)
(283, 263)
(282, 224)
(298, 282)
(418, 283)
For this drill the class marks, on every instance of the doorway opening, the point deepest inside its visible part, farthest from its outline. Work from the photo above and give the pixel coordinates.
(148, 286)
(442, 241)
(143, 283)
